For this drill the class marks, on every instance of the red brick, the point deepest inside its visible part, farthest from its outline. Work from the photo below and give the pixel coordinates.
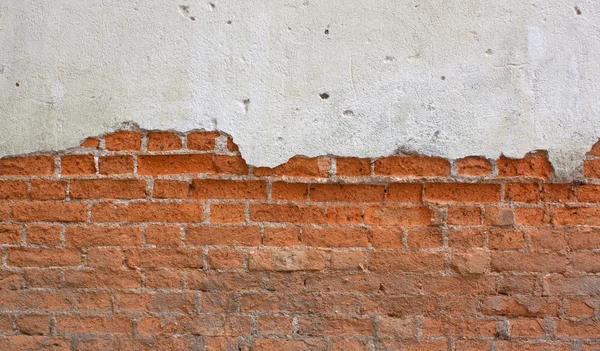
(43, 235)
(412, 166)
(470, 263)
(223, 236)
(346, 193)
(591, 168)
(577, 216)
(340, 215)
(227, 213)
(586, 262)
(156, 258)
(171, 189)
(386, 238)
(13, 190)
(203, 141)
(229, 189)
(527, 328)
(163, 235)
(100, 279)
(466, 238)
(34, 300)
(107, 189)
(583, 238)
(175, 164)
(298, 167)
(336, 326)
(530, 166)
(406, 262)
(404, 192)
(290, 344)
(558, 192)
(297, 214)
(280, 237)
(165, 212)
(398, 328)
(548, 239)
(577, 329)
(111, 165)
(34, 324)
(289, 191)
(522, 192)
(10, 234)
(525, 306)
(105, 258)
(230, 165)
(163, 141)
(526, 262)
(34, 257)
(103, 236)
(225, 259)
(498, 216)
(347, 260)
(352, 167)
(109, 212)
(286, 261)
(462, 192)
(425, 238)
(49, 212)
(163, 279)
(90, 143)
(531, 216)
(334, 237)
(27, 166)
(506, 239)
(473, 166)
(231, 146)
(77, 165)
(581, 308)
(43, 278)
(123, 141)
(48, 190)
(93, 324)
(398, 216)
(464, 216)
(274, 325)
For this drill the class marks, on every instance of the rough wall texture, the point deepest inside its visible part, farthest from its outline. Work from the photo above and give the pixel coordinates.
(448, 78)
(146, 241)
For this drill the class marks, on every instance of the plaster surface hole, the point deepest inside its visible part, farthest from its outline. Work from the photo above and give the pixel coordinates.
(17, 84)
(489, 52)
(326, 32)
(349, 113)
(324, 96)
(577, 10)
(443, 77)
(246, 103)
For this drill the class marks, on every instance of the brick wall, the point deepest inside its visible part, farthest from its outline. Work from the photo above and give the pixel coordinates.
(148, 241)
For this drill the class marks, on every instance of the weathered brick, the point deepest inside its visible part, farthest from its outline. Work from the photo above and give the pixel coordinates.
(77, 165)
(223, 236)
(48, 190)
(334, 237)
(123, 141)
(27, 166)
(175, 164)
(298, 167)
(352, 167)
(473, 166)
(14, 190)
(462, 192)
(107, 189)
(112, 165)
(412, 166)
(229, 189)
(346, 193)
(163, 141)
(103, 236)
(398, 216)
(202, 141)
(49, 212)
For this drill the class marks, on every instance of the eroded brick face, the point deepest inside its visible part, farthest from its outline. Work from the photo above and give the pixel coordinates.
(163, 241)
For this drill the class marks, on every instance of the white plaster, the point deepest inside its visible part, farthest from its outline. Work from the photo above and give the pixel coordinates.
(519, 75)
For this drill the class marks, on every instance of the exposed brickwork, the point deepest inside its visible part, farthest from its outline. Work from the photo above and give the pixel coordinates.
(164, 241)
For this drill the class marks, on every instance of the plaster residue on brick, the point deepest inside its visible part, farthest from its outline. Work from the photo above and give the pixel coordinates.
(349, 78)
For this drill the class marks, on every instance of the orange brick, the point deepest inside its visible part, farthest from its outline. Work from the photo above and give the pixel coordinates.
(223, 236)
(90, 143)
(526, 262)
(591, 168)
(78, 165)
(10, 234)
(203, 141)
(231, 146)
(286, 261)
(100, 279)
(522, 192)
(577, 216)
(401, 216)
(107, 189)
(27, 166)
(93, 324)
(171, 189)
(404, 192)
(535, 167)
(558, 192)
(123, 141)
(412, 166)
(13, 190)
(165, 212)
(289, 191)
(43, 234)
(163, 235)
(422, 238)
(333, 237)
(175, 164)
(49, 212)
(280, 236)
(470, 216)
(340, 215)
(352, 167)
(406, 262)
(348, 261)
(466, 238)
(296, 214)
(386, 238)
(109, 212)
(473, 166)
(105, 258)
(506, 239)
(462, 192)
(346, 193)
(227, 213)
(34, 324)
(48, 190)
(168, 258)
(225, 259)
(163, 141)
(34, 257)
(103, 236)
(229, 189)
(230, 165)
(110, 165)
(298, 167)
